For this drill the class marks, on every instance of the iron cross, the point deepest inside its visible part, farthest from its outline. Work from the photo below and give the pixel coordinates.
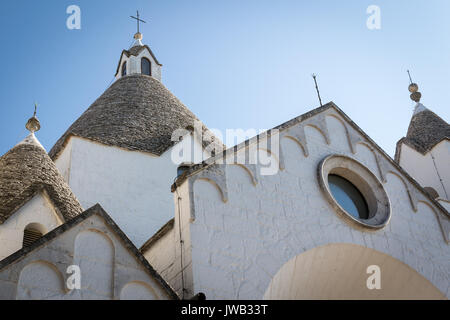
(137, 20)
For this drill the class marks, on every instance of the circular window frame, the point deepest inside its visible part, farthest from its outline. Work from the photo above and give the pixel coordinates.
(365, 181)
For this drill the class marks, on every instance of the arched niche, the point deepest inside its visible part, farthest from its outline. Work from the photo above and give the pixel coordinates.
(40, 280)
(94, 254)
(339, 137)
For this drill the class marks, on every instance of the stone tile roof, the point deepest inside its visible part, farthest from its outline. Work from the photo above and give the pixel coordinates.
(27, 169)
(137, 113)
(95, 210)
(134, 51)
(425, 130)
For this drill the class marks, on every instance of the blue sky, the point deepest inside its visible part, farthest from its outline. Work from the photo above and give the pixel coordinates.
(235, 64)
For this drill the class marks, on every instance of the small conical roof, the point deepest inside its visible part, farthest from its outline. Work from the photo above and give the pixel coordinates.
(27, 169)
(426, 129)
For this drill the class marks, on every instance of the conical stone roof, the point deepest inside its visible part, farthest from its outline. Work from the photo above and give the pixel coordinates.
(27, 169)
(137, 113)
(426, 130)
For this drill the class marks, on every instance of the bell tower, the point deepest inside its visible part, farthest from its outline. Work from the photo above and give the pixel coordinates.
(139, 58)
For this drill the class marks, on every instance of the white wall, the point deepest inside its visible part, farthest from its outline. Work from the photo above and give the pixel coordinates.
(108, 269)
(63, 161)
(237, 247)
(133, 187)
(38, 210)
(134, 65)
(161, 256)
(426, 171)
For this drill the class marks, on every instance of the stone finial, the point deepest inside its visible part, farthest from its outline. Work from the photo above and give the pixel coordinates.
(138, 34)
(33, 123)
(414, 89)
(415, 94)
(137, 40)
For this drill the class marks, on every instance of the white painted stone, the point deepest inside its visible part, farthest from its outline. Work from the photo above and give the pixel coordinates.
(133, 187)
(134, 64)
(427, 171)
(108, 269)
(240, 245)
(39, 210)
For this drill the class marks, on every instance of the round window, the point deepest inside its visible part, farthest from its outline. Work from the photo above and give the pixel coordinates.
(354, 191)
(348, 196)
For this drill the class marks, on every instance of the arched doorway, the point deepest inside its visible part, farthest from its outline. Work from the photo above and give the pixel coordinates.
(340, 271)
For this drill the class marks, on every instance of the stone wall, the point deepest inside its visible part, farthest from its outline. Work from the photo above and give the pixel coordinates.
(430, 168)
(108, 269)
(236, 244)
(134, 64)
(39, 210)
(132, 186)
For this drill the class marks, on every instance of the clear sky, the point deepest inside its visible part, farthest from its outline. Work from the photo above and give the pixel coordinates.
(234, 63)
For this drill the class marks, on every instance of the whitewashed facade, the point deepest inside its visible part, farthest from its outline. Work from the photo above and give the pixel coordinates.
(234, 246)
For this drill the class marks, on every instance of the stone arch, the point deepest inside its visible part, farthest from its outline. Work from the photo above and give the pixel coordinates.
(272, 154)
(340, 271)
(364, 143)
(330, 118)
(40, 280)
(434, 221)
(410, 193)
(138, 290)
(251, 172)
(37, 226)
(32, 232)
(222, 194)
(94, 253)
(299, 143)
(371, 163)
(399, 177)
(428, 205)
(310, 125)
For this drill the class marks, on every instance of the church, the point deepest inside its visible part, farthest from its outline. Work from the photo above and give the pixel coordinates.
(138, 199)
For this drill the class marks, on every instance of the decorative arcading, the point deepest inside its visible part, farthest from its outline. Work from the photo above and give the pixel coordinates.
(216, 174)
(295, 130)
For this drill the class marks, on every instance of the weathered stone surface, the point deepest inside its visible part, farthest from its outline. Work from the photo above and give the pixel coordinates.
(27, 169)
(240, 245)
(136, 113)
(109, 263)
(425, 130)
